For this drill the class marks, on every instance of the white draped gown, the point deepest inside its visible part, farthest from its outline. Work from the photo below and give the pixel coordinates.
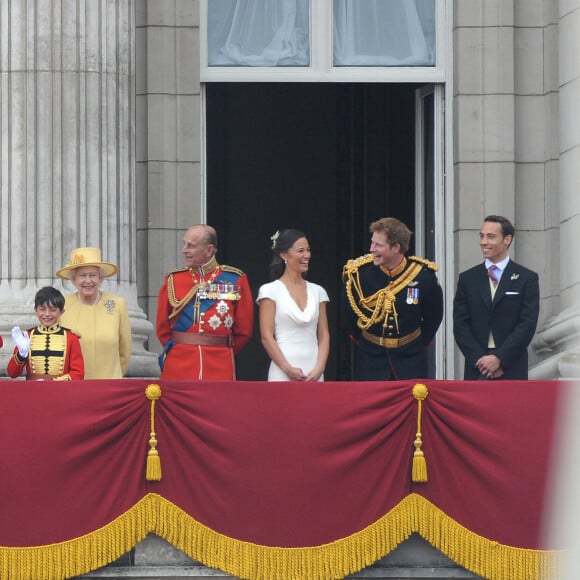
(295, 330)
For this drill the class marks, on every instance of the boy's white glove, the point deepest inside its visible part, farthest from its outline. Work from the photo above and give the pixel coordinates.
(22, 341)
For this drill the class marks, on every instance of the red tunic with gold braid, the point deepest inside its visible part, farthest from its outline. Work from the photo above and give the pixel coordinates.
(204, 317)
(55, 355)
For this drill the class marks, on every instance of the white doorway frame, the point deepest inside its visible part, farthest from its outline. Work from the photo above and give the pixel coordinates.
(438, 79)
(438, 146)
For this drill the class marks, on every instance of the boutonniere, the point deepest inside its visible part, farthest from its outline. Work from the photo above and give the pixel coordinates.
(515, 276)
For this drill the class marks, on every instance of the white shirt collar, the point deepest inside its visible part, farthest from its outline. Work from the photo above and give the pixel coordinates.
(500, 265)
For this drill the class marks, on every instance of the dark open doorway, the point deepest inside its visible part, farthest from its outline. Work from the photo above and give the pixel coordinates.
(324, 158)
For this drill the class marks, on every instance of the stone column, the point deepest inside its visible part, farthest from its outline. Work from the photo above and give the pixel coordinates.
(569, 48)
(559, 339)
(67, 154)
(169, 138)
(483, 126)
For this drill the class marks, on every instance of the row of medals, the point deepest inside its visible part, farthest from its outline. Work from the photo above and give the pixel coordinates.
(412, 295)
(218, 291)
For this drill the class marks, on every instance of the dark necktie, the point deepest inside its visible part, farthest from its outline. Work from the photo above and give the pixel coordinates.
(491, 272)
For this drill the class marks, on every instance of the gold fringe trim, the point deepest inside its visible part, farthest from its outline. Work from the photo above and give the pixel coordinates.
(83, 554)
(419, 470)
(153, 471)
(155, 514)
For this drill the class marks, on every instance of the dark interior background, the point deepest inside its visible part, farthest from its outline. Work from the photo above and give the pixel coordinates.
(324, 158)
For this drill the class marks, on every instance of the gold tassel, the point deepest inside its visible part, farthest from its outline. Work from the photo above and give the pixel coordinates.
(153, 392)
(419, 471)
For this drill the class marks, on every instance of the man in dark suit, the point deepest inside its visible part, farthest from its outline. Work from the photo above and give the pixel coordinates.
(496, 308)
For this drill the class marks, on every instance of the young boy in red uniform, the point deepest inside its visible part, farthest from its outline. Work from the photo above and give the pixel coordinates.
(48, 352)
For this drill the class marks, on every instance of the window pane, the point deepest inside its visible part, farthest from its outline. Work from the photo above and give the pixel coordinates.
(384, 32)
(258, 33)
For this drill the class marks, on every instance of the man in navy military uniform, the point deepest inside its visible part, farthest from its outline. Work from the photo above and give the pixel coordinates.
(496, 308)
(395, 306)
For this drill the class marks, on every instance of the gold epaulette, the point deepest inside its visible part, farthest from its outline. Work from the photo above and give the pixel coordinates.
(182, 269)
(355, 263)
(425, 262)
(231, 269)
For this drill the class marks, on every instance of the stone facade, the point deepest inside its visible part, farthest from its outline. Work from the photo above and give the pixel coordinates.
(514, 150)
(168, 138)
(124, 171)
(67, 154)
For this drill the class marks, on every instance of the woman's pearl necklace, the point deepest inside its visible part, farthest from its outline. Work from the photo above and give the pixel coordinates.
(95, 301)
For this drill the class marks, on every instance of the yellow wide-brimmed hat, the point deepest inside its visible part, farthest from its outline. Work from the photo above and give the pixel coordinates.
(86, 257)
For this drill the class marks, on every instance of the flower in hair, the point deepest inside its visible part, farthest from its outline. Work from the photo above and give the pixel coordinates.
(274, 238)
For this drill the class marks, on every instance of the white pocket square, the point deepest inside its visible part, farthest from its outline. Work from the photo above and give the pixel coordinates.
(512, 293)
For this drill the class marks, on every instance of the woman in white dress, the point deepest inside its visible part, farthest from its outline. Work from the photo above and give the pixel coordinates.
(293, 319)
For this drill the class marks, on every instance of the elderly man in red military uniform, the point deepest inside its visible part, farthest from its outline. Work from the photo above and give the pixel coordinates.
(205, 312)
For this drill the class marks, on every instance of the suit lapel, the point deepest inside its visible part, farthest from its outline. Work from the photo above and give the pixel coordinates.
(504, 282)
(483, 285)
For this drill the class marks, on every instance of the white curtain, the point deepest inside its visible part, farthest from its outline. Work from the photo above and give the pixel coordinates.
(258, 33)
(384, 32)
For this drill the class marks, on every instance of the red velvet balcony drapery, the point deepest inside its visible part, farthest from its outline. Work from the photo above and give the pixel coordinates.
(275, 480)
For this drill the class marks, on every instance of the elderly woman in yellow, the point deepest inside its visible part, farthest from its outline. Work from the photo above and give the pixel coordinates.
(99, 318)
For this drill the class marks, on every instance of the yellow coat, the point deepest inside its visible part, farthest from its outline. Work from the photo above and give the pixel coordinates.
(105, 332)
